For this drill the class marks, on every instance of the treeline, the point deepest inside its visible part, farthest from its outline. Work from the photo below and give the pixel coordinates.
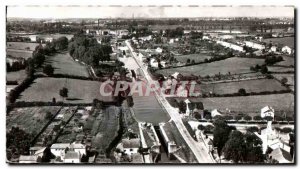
(88, 50)
(247, 94)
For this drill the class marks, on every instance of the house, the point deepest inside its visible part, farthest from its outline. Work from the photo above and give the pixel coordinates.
(267, 111)
(215, 112)
(287, 49)
(281, 156)
(72, 157)
(159, 50)
(255, 45)
(231, 45)
(28, 159)
(129, 146)
(58, 149)
(37, 151)
(273, 49)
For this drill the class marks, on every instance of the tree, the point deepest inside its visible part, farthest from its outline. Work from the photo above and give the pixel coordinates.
(130, 101)
(48, 115)
(188, 61)
(97, 104)
(238, 117)
(248, 118)
(221, 133)
(47, 155)
(48, 70)
(235, 147)
(242, 92)
(284, 81)
(257, 118)
(264, 69)
(254, 153)
(193, 62)
(252, 129)
(63, 92)
(182, 107)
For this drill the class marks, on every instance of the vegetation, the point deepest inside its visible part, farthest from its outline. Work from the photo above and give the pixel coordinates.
(221, 133)
(48, 70)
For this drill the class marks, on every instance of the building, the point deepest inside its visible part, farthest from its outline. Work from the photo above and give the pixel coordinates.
(287, 49)
(129, 146)
(59, 149)
(72, 157)
(231, 46)
(28, 159)
(267, 111)
(215, 112)
(281, 155)
(254, 45)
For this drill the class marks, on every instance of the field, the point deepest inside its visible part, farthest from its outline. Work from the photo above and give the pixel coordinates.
(286, 41)
(63, 63)
(233, 65)
(196, 57)
(280, 69)
(19, 53)
(80, 91)
(249, 85)
(18, 76)
(22, 46)
(31, 119)
(288, 61)
(290, 78)
(249, 104)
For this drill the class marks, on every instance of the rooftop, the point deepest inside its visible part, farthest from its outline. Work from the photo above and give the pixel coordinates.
(72, 155)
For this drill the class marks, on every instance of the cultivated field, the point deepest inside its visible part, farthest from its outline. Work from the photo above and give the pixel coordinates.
(260, 85)
(249, 104)
(80, 91)
(197, 57)
(19, 53)
(22, 46)
(286, 41)
(63, 63)
(233, 65)
(31, 119)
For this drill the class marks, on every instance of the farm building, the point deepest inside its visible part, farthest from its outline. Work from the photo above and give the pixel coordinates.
(72, 157)
(255, 45)
(231, 46)
(28, 159)
(129, 146)
(267, 111)
(287, 49)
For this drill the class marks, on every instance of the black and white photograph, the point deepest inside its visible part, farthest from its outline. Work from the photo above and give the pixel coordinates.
(149, 85)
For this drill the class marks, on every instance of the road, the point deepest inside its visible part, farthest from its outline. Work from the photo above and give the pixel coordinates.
(198, 149)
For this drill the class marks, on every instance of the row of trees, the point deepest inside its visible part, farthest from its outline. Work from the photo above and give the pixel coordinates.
(263, 69)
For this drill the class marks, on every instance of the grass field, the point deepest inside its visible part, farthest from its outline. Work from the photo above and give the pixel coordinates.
(22, 45)
(290, 77)
(31, 119)
(63, 63)
(287, 61)
(80, 91)
(249, 85)
(233, 65)
(19, 53)
(18, 76)
(249, 104)
(196, 57)
(286, 41)
(280, 69)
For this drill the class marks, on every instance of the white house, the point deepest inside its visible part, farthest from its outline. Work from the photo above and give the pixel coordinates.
(254, 45)
(231, 46)
(267, 111)
(287, 49)
(215, 112)
(129, 146)
(58, 149)
(273, 49)
(159, 50)
(28, 159)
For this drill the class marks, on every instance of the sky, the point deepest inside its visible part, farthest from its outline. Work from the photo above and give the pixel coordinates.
(153, 12)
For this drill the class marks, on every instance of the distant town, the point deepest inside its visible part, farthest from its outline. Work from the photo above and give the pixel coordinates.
(241, 109)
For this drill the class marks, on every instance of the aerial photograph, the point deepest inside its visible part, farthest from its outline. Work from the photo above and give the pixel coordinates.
(150, 85)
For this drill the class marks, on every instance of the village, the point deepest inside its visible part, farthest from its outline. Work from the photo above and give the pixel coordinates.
(228, 93)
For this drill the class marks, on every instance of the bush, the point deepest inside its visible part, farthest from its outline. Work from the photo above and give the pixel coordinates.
(286, 130)
(48, 70)
(228, 117)
(257, 118)
(252, 129)
(247, 118)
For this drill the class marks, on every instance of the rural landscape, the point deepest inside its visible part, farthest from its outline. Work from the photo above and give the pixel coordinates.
(75, 86)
